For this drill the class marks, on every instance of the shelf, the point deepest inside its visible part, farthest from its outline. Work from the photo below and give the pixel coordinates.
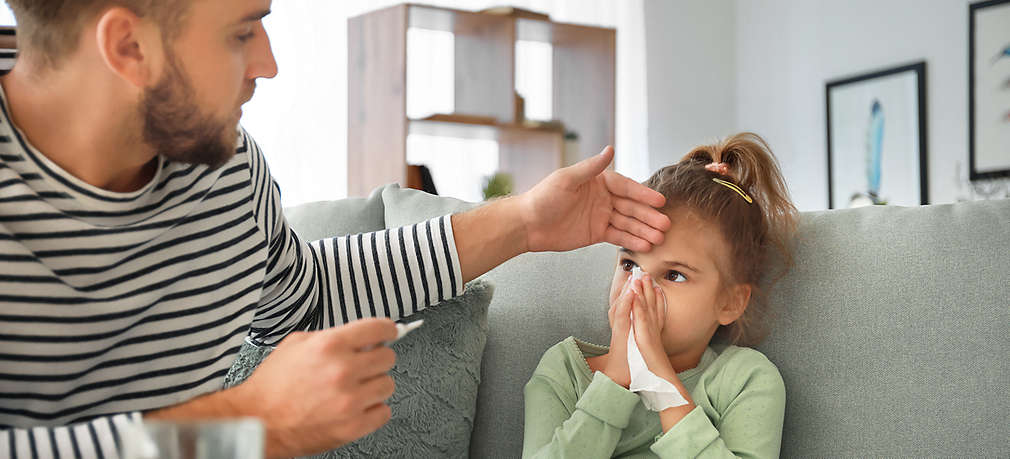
(8, 38)
(582, 91)
(476, 128)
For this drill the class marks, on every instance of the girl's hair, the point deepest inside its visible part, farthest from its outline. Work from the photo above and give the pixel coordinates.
(756, 232)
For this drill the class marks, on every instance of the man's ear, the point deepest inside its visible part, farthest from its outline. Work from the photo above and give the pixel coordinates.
(736, 303)
(128, 45)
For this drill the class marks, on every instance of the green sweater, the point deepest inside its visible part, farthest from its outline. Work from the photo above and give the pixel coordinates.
(572, 412)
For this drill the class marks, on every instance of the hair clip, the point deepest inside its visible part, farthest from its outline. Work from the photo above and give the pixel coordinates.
(734, 188)
(718, 168)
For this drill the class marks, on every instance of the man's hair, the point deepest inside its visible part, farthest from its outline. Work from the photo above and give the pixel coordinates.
(49, 30)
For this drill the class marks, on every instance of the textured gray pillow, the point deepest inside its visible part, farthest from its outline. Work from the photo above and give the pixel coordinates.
(437, 374)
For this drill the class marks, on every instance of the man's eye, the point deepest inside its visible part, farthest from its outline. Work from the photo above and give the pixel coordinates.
(246, 37)
(675, 276)
(628, 265)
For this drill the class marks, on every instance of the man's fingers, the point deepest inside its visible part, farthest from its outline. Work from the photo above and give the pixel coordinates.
(362, 334)
(372, 363)
(643, 213)
(624, 187)
(588, 168)
(639, 229)
(376, 416)
(369, 421)
(625, 239)
(377, 390)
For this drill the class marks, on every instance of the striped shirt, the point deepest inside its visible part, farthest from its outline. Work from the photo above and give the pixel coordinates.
(112, 304)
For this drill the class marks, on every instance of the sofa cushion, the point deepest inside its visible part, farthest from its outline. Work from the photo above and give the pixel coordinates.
(436, 373)
(891, 333)
(320, 220)
(408, 206)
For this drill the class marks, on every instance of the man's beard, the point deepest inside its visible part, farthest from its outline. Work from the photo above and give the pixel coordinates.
(176, 127)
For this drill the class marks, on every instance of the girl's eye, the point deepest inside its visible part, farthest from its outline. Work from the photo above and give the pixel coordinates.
(675, 276)
(628, 265)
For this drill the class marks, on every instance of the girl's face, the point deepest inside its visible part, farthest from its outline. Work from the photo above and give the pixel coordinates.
(688, 267)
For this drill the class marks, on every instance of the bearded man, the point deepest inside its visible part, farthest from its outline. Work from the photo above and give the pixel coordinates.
(142, 240)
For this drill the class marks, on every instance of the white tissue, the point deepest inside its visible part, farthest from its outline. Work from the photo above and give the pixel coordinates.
(657, 393)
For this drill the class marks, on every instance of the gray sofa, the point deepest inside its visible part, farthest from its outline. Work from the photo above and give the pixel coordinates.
(890, 332)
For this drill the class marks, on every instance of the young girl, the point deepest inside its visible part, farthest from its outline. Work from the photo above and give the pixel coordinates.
(731, 214)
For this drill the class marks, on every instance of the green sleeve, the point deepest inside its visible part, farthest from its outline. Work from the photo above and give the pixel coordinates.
(749, 426)
(553, 430)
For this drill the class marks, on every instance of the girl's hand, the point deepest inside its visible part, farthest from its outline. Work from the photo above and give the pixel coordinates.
(616, 367)
(650, 317)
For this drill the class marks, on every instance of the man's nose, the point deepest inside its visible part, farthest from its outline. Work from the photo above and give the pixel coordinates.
(263, 64)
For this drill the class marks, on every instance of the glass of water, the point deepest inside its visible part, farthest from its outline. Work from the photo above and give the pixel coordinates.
(222, 439)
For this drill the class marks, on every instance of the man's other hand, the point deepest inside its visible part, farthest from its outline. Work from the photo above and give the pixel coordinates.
(320, 390)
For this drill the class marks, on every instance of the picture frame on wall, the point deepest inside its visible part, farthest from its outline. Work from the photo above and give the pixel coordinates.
(876, 136)
(989, 89)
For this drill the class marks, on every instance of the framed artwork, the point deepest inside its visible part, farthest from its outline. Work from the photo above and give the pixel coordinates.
(877, 138)
(989, 89)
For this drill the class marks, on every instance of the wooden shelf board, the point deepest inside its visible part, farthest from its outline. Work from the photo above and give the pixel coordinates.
(441, 18)
(465, 129)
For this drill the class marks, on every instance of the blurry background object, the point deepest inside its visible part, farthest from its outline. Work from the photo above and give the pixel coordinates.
(497, 186)
(419, 178)
(989, 89)
(876, 132)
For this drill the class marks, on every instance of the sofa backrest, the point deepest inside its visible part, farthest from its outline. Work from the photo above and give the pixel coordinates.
(890, 331)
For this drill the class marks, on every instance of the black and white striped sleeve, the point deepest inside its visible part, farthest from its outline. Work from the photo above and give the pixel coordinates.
(310, 286)
(102, 437)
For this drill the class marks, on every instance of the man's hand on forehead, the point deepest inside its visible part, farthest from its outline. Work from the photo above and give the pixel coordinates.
(586, 203)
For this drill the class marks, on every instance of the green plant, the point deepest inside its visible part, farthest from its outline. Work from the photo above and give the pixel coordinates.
(497, 185)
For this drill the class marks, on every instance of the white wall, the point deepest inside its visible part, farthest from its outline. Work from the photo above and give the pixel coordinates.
(690, 49)
(721, 66)
(6, 16)
(787, 49)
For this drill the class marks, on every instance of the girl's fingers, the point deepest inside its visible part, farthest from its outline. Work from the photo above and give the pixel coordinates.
(660, 308)
(617, 300)
(622, 311)
(648, 293)
(641, 317)
(624, 307)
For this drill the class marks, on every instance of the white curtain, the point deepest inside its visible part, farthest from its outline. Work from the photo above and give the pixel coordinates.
(300, 117)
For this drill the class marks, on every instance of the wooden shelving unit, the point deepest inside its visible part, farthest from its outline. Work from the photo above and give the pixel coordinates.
(8, 48)
(583, 99)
